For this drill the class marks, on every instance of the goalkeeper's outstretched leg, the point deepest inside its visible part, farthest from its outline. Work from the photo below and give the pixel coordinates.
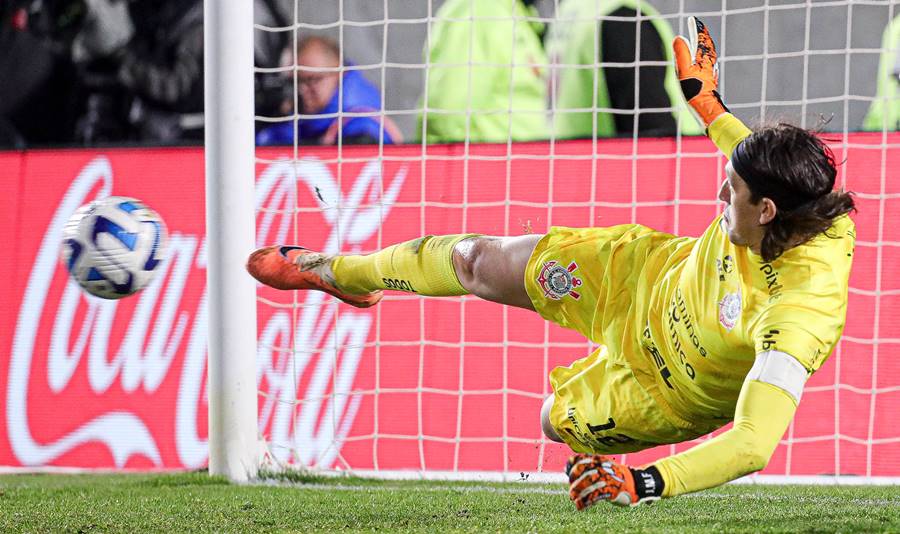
(492, 268)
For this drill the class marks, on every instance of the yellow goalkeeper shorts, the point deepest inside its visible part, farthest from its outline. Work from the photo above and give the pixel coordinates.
(599, 407)
(588, 279)
(591, 280)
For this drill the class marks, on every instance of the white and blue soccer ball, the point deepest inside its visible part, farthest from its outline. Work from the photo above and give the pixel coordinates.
(113, 246)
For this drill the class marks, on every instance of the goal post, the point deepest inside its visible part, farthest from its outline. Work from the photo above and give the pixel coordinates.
(231, 301)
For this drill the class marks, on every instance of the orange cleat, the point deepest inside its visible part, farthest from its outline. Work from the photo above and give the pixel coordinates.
(286, 267)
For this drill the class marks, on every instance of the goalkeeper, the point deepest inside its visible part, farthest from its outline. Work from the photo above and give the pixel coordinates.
(695, 332)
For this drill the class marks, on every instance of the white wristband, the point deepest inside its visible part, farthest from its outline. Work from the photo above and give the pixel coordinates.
(781, 370)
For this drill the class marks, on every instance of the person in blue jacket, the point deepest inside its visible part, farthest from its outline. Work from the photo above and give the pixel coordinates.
(334, 102)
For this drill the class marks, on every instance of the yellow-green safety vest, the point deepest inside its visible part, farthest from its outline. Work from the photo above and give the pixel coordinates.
(572, 40)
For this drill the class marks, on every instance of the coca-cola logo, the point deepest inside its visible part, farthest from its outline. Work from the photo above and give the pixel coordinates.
(319, 340)
(158, 330)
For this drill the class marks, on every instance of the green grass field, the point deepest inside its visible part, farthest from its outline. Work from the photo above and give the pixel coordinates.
(197, 502)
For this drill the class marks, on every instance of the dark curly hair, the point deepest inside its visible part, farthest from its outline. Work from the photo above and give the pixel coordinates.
(795, 169)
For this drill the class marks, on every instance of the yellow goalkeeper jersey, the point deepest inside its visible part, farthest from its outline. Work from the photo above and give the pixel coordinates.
(715, 305)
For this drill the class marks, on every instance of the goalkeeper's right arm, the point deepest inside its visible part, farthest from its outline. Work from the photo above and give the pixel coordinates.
(698, 73)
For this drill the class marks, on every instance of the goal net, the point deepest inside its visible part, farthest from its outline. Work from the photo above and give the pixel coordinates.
(454, 386)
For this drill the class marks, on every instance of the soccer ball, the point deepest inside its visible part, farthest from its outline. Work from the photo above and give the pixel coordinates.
(113, 246)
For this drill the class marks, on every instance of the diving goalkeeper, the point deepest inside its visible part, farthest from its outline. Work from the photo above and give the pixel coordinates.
(694, 332)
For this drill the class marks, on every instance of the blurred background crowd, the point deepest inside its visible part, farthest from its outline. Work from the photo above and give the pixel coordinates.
(100, 72)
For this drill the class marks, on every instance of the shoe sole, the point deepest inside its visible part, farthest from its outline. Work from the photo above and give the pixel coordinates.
(273, 267)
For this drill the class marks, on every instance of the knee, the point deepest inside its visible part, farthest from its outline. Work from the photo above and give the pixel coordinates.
(546, 425)
(468, 260)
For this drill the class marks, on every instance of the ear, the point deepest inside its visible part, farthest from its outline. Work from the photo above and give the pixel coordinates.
(768, 211)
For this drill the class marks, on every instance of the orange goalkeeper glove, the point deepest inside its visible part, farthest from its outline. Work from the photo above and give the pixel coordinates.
(594, 478)
(695, 65)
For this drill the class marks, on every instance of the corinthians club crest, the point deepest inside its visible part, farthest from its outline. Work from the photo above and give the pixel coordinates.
(730, 310)
(558, 281)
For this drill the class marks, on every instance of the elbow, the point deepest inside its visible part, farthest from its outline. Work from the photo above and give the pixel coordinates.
(749, 460)
(756, 460)
(754, 454)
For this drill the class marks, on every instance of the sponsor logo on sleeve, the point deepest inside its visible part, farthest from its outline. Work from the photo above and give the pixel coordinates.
(773, 283)
(770, 340)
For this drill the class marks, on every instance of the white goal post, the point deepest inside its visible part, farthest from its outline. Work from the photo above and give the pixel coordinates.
(231, 305)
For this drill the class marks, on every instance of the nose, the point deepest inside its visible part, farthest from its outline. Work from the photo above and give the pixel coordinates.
(724, 193)
(307, 95)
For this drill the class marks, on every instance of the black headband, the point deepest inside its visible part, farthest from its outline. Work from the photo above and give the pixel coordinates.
(762, 184)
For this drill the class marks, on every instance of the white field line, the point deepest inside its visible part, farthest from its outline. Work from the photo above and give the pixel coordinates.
(533, 485)
(475, 476)
(533, 489)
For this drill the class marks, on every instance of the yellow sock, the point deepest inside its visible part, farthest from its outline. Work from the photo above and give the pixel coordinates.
(423, 266)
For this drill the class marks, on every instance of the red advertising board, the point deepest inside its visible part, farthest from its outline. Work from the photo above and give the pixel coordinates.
(414, 383)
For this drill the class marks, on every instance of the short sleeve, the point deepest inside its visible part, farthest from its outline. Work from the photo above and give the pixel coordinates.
(805, 296)
(807, 330)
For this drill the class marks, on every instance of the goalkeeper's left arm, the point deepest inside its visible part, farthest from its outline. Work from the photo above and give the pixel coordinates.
(765, 406)
(763, 413)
